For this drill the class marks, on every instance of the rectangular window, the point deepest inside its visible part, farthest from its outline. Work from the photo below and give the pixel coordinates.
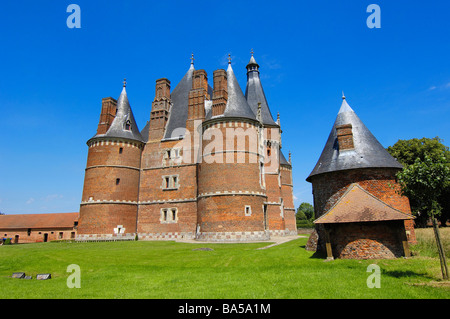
(170, 182)
(169, 215)
(121, 150)
(248, 210)
(117, 181)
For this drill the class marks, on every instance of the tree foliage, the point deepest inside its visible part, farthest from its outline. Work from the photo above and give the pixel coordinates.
(425, 178)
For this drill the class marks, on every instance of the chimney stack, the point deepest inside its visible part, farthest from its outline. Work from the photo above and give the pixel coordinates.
(109, 108)
(198, 95)
(220, 92)
(160, 109)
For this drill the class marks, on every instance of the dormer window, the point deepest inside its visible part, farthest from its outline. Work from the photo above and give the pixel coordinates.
(128, 125)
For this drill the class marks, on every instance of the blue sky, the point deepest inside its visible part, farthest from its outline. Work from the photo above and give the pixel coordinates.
(396, 78)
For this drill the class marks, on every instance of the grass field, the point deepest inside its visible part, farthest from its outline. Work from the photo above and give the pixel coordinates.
(171, 270)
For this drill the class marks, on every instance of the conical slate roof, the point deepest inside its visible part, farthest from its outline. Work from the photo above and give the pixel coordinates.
(237, 105)
(176, 124)
(124, 125)
(254, 93)
(367, 152)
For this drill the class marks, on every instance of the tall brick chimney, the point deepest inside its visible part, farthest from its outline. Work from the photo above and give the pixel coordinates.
(107, 115)
(160, 109)
(220, 92)
(345, 137)
(198, 95)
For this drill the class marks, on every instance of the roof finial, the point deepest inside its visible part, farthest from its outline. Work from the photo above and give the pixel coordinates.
(124, 82)
(343, 96)
(229, 58)
(251, 52)
(192, 58)
(290, 159)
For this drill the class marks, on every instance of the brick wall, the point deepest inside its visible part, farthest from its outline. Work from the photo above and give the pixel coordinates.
(37, 235)
(367, 240)
(111, 187)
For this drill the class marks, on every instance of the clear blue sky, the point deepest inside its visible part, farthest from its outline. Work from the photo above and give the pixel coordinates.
(396, 78)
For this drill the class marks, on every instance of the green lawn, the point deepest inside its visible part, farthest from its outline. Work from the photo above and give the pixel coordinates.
(145, 269)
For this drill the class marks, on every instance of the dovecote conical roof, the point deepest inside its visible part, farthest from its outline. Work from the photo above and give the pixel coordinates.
(254, 93)
(124, 125)
(367, 152)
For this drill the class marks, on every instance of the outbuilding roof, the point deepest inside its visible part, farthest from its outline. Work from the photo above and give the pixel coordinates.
(25, 221)
(358, 205)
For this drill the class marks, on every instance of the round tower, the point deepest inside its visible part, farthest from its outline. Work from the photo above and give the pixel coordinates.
(353, 159)
(110, 194)
(231, 182)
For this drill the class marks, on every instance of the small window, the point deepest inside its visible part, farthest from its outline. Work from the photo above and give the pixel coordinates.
(175, 181)
(117, 181)
(121, 150)
(268, 152)
(29, 231)
(174, 214)
(128, 125)
(248, 210)
(167, 179)
(61, 235)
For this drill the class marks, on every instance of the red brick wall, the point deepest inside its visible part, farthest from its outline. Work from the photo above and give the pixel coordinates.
(101, 219)
(367, 240)
(111, 187)
(236, 171)
(149, 219)
(37, 235)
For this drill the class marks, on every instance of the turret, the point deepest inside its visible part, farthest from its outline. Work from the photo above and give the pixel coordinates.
(231, 192)
(110, 193)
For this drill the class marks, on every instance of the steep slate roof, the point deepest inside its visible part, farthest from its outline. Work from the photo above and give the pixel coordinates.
(283, 160)
(123, 115)
(237, 105)
(367, 152)
(176, 124)
(20, 221)
(358, 205)
(254, 93)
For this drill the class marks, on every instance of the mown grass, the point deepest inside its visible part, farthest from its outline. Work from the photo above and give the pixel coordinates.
(171, 270)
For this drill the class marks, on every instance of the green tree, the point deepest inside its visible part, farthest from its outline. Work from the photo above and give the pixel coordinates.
(425, 181)
(305, 211)
(407, 151)
(422, 154)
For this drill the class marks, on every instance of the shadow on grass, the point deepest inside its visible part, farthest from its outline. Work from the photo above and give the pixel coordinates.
(317, 254)
(405, 273)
